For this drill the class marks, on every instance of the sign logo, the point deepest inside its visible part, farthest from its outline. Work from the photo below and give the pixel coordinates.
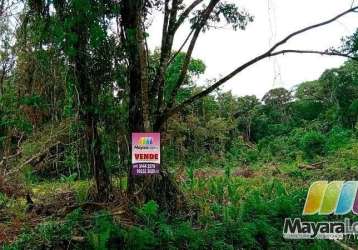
(145, 153)
(336, 197)
(325, 198)
(145, 141)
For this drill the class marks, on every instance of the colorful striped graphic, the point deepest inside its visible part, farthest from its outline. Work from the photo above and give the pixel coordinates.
(336, 197)
(346, 200)
(331, 196)
(145, 141)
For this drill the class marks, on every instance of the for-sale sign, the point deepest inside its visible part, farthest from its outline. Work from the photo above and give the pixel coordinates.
(145, 153)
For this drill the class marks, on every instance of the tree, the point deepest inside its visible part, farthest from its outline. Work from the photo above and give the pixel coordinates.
(143, 92)
(87, 16)
(77, 31)
(277, 97)
(350, 44)
(339, 87)
(7, 59)
(248, 109)
(80, 31)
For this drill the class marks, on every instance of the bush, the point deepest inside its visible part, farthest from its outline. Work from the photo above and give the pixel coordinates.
(105, 234)
(281, 148)
(242, 152)
(49, 234)
(338, 138)
(313, 144)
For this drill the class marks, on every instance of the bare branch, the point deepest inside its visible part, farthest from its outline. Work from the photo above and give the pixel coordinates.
(165, 22)
(197, 29)
(267, 54)
(327, 53)
(190, 50)
(170, 26)
(170, 17)
(246, 65)
(214, 86)
(312, 27)
(181, 47)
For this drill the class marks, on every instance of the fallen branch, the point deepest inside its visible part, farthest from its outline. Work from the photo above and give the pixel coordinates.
(312, 166)
(78, 238)
(33, 158)
(6, 158)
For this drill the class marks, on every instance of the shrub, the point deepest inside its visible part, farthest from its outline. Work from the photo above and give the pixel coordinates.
(280, 148)
(49, 234)
(104, 234)
(312, 144)
(242, 152)
(338, 138)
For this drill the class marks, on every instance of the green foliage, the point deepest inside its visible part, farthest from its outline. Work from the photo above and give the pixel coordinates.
(212, 139)
(141, 239)
(313, 143)
(103, 231)
(277, 97)
(225, 12)
(241, 153)
(82, 193)
(29, 176)
(307, 109)
(196, 67)
(11, 115)
(338, 138)
(49, 234)
(149, 212)
(342, 164)
(255, 224)
(3, 200)
(278, 148)
(350, 43)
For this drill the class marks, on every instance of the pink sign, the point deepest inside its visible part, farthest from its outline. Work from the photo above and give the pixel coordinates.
(145, 153)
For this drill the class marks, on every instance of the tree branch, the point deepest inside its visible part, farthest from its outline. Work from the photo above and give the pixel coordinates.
(170, 26)
(190, 50)
(244, 66)
(353, 9)
(267, 54)
(186, 12)
(181, 47)
(327, 53)
(166, 21)
(170, 16)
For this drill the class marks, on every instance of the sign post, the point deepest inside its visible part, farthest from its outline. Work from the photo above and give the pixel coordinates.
(145, 153)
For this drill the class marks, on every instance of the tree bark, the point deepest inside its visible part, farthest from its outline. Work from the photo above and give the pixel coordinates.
(160, 188)
(89, 117)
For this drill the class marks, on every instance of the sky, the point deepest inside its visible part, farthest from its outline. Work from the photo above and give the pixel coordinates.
(222, 50)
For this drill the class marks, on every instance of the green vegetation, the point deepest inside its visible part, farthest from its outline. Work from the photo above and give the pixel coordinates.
(76, 78)
(241, 176)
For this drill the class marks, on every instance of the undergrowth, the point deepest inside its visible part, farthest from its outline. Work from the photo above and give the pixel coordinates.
(232, 216)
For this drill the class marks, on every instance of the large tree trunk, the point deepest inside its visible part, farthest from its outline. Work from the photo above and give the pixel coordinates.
(160, 188)
(89, 117)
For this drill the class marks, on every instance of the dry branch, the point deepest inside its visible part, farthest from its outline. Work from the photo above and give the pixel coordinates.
(39, 156)
(312, 166)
